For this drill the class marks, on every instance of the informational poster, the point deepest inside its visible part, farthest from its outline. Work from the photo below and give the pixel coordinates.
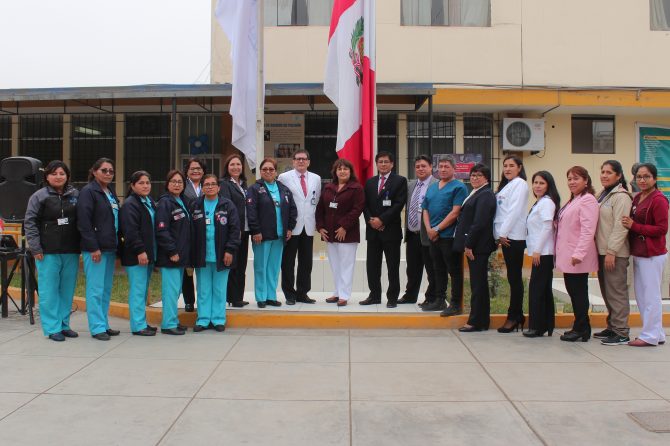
(653, 146)
(464, 162)
(284, 134)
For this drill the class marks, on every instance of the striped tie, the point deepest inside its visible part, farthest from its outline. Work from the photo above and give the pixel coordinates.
(413, 218)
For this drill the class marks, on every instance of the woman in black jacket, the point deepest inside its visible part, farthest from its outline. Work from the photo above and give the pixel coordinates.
(234, 188)
(98, 224)
(173, 237)
(196, 169)
(272, 215)
(53, 240)
(138, 248)
(474, 237)
(216, 239)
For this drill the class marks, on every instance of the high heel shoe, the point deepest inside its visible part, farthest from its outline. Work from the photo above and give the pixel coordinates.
(574, 336)
(515, 325)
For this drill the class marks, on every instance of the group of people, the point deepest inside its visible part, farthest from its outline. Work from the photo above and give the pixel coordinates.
(203, 225)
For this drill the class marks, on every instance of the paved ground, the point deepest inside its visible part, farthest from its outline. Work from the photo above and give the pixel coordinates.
(324, 387)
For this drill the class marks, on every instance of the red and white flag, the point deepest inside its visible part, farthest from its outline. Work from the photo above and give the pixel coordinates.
(350, 81)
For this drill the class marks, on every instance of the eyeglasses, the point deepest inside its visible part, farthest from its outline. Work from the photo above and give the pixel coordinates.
(301, 159)
(195, 169)
(176, 182)
(268, 169)
(643, 177)
(476, 175)
(209, 185)
(107, 171)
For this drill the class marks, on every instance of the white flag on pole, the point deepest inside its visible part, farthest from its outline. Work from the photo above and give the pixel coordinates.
(239, 20)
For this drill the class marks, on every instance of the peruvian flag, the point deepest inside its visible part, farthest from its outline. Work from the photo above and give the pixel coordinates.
(350, 81)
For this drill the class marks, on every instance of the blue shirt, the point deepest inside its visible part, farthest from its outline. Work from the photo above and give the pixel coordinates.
(210, 248)
(439, 202)
(152, 213)
(115, 209)
(274, 192)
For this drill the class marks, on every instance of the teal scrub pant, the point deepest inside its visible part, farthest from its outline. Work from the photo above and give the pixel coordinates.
(212, 290)
(99, 277)
(57, 279)
(138, 284)
(171, 279)
(267, 262)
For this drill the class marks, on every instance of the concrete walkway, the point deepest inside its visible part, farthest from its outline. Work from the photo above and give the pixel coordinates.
(324, 387)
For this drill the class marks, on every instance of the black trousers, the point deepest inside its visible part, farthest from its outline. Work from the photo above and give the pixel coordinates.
(302, 245)
(480, 302)
(578, 289)
(237, 278)
(391, 250)
(418, 258)
(445, 261)
(541, 308)
(514, 263)
(187, 289)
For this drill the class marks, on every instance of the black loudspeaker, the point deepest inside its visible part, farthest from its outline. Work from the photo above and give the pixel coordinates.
(20, 177)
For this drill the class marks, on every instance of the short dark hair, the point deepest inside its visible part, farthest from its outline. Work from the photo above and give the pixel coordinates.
(202, 164)
(346, 163)
(173, 173)
(383, 154)
(483, 169)
(268, 160)
(135, 177)
(226, 163)
(446, 159)
(425, 158)
(52, 167)
(301, 151)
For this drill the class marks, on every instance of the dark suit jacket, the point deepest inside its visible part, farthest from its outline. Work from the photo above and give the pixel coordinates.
(474, 228)
(395, 189)
(229, 190)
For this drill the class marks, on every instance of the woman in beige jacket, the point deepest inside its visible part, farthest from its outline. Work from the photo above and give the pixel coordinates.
(613, 252)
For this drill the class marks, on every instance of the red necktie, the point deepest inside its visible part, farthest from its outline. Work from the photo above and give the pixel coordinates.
(381, 184)
(303, 183)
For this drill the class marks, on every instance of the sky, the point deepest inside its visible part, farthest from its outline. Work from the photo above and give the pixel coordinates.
(85, 43)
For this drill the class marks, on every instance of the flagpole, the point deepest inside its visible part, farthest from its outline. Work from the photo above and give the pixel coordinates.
(260, 96)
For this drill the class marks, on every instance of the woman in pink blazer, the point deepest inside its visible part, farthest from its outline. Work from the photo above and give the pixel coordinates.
(576, 252)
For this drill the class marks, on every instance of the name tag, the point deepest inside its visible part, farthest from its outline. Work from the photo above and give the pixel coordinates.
(208, 221)
(386, 203)
(197, 216)
(179, 216)
(63, 221)
(313, 201)
(333, 205)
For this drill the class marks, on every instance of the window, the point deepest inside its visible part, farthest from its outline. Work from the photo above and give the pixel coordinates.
(320, 140)
(445, 12)
(418, 140)
(148, 148)
(93, 137)
(478, 135)
(297, 12)
(387, 135)
(42, 137)
(592, 134)
(5, 137)
(659, 15)
(200, 136)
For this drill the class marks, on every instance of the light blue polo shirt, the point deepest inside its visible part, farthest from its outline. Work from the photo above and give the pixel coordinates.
(439, 202)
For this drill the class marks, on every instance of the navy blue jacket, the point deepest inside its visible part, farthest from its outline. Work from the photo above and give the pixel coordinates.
(173, 232)
(475, 223)
(229, 190)
(261, 214)
(137, 230)
(226, 232)
(95, 219)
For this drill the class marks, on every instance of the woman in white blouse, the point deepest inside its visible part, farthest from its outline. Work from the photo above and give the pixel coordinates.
(509, 229)
(540, 244)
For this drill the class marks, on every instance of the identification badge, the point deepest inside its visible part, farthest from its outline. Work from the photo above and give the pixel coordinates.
(333, 205)
(313, 201)
(386, 203)
(63, 221)
(208, 221)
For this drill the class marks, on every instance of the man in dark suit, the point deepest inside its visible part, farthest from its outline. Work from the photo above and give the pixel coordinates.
(417, 243)
(385, 196)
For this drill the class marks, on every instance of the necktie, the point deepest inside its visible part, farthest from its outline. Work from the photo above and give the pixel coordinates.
(413, 219)
(303, 183)
(381, 184)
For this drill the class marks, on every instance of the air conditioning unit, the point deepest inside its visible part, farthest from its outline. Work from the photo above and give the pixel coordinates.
(521, 134)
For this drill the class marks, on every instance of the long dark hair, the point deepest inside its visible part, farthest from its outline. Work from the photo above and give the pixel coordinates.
(552, 190)
(226, 175)
(52, 167)
(582, 172)
(346, 163)
(652, 170)
(616, 167)
(135, 177)
(519, 162)
(97, 166)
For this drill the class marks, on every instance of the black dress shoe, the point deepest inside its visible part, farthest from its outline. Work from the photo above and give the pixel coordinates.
(189, 308)
(181, 327)
(437, 305)
(172, 331)
(306, 300)
(70, 333)
(425, 302)
(391, 304)
(273, 303)
(451, 311)
(101, 336)
(574, 336)
(199, 328)
(370, 301)
(406, 300)
(220, 327)
(149, 327)
(290, 301)
(58, 337)
(113, 332)
(469, 329)
(535, 333)
(238, 304)
(260, 304)
(144, 332)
